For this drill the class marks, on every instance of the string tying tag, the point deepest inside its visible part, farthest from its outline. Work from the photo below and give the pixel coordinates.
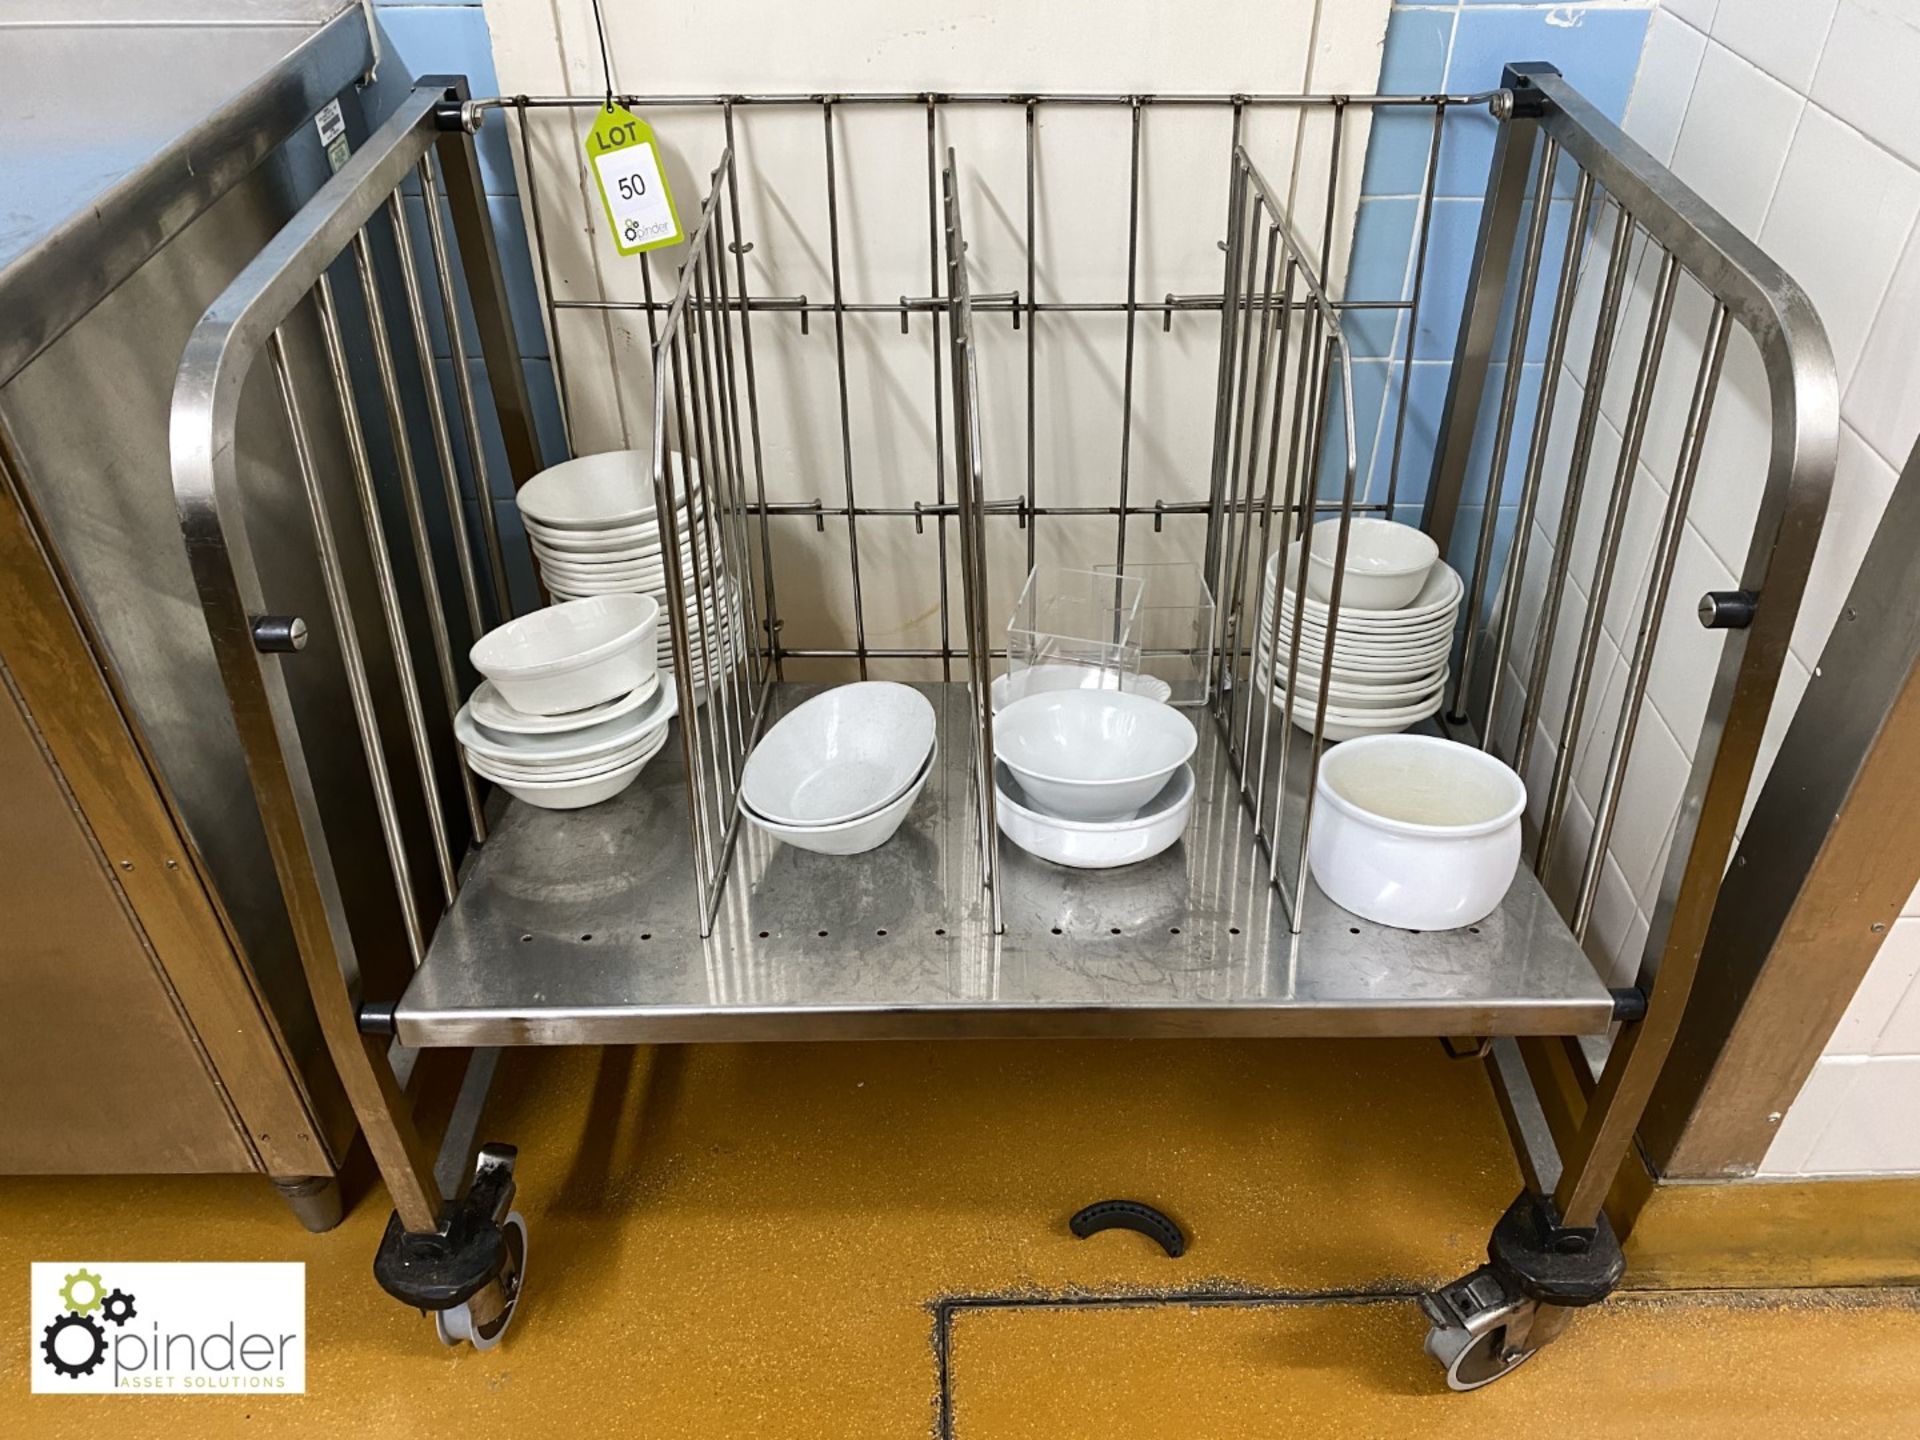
(626, 167)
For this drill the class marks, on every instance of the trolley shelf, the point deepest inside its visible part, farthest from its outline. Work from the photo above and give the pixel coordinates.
(581, 928)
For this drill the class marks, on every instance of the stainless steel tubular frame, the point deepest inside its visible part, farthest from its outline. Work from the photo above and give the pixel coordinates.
(245, 321)
(713, 592)
(1271, 416)
(1676, 235)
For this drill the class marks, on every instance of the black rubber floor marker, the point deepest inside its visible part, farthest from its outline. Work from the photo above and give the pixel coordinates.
(1130, 1215)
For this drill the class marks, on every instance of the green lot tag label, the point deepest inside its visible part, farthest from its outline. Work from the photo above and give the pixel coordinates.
(633, 185)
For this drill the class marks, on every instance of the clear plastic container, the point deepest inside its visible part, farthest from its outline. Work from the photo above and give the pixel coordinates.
(1073, 629)
(1173, 626)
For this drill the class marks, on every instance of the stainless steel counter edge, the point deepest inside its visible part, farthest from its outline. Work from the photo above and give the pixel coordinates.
(616, 1025)
(52, 285)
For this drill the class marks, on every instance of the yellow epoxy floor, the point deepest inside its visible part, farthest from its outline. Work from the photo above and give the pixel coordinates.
(735, 1240)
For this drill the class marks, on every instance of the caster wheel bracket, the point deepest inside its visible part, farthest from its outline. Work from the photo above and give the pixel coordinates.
(1480, 1328)
(446, 1267)
(1488, 1322)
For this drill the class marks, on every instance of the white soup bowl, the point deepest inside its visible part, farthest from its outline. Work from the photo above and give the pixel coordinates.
(1414, 831)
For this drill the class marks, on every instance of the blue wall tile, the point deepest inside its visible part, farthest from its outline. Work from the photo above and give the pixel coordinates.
(1465, 545)
(440, 39)
(1597, 50)
(1413, 60)
(1397, 152)
(1383, 243)
(1553, 251)
(1450, 241)
(1426, 398)
(450, 36)
(1480, 456)
(547, 426)
(1369, 392)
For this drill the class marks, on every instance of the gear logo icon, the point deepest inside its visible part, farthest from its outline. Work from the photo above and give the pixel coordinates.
(118, 1307)
(74, 1369)
(76, 1341)
(90, 1288)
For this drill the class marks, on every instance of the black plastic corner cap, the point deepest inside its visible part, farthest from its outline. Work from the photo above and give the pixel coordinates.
(1518, 78)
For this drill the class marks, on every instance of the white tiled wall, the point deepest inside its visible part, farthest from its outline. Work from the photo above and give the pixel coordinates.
(1796, 119)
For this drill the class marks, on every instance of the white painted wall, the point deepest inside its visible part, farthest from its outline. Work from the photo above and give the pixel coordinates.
(1795, 117)
(1081, 245)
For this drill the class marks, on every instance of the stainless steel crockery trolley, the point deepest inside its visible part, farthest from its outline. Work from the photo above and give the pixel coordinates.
(656, 917)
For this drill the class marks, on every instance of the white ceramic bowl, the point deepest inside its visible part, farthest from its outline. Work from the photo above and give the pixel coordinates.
(566, 748)
(1440, 594)
(850, 837)
(1039, 679)
(1094, 844)
(571, 655)
(1386, 562)
(1414, 831)
(597, 492)
(1092, 754)
(841, 755)
(575, 794)
(499, 719)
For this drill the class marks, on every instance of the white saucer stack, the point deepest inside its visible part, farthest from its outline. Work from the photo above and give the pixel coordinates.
(1389, 667)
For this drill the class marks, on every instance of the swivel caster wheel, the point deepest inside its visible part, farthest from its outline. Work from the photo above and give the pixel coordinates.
(1480, 1329)
(468, 1270)
(458, 1326)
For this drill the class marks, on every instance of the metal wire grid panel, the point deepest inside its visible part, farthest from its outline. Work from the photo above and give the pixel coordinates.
(582, 298)
(1282, 349)
(1280, 354)
(338, 358)
(973, 539)
(1619, 226)
(714, 581)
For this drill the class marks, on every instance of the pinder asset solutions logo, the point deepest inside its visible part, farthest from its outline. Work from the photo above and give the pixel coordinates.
(179, 1328)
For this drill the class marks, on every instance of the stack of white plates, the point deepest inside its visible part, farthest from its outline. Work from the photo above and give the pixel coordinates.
(1389, 667)
(594, 526)
(564, 762)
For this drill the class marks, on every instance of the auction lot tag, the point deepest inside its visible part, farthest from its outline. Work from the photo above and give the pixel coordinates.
(633, 186)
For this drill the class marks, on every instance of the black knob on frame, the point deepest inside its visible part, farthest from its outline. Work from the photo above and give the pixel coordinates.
(279, 634)
(1727, 609)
